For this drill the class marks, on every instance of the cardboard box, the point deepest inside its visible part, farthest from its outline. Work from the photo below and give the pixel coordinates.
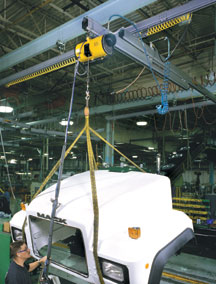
(6, 227)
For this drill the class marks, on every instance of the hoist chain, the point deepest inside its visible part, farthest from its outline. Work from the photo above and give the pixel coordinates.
(87, 97)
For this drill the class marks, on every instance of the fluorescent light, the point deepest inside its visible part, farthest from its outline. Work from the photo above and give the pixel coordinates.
(151, 148)
(65, 122)
(30, 159)
(12, 161)
(6, 109)
(135, 157)
(20, 173)
(142, 123)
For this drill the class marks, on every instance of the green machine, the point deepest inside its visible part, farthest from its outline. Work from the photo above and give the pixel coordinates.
(5, 240)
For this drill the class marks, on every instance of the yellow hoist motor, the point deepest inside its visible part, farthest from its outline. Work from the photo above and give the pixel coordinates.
(94, 48)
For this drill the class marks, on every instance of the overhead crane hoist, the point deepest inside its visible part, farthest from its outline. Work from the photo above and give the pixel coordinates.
(103, 44)
(91, 49)
(95, 48)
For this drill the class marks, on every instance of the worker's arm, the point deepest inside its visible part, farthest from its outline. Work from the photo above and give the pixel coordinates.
(35, 264)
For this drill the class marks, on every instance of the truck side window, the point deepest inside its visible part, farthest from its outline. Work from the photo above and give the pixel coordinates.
(68, 248)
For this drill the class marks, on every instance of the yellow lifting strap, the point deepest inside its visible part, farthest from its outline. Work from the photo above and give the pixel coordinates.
(92, 167)
(2, 191)
(55, 168)
(94, 196)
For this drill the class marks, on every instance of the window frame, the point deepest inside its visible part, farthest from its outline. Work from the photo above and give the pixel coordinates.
(85, 275)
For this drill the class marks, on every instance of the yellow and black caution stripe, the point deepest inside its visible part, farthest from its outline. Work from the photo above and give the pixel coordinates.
(192, 211)
(163, 26)
(43, 71)
(190, 199)
(194, 208)
(191, 205)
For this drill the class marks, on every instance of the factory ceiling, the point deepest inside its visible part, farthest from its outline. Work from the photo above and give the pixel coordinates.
(121, 90)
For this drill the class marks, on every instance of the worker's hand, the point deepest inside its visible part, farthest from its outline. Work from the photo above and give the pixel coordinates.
(43, 259)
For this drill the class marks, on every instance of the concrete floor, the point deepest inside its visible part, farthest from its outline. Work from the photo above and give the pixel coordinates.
(201, 269)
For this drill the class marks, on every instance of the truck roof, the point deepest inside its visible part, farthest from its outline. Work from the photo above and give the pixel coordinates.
(122, 197)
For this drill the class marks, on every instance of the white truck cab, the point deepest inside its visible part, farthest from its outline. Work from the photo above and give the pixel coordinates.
(128, 202)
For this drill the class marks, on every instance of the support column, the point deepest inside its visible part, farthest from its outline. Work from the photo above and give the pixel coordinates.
(46, 154)
(211, 176)
(113, 141)
(109, 152)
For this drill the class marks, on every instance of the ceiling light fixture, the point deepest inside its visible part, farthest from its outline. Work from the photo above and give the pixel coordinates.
(65, 122)
(151, 148)
(135, 157)
(12, 161)
(5, 107)
(141, 123)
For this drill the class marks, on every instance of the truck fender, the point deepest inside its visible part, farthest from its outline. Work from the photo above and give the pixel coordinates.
(166, 252)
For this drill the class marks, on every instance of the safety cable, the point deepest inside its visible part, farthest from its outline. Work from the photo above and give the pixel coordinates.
(6, 164)
(45, 279)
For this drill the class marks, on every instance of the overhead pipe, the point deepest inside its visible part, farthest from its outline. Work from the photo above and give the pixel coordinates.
(70, 30)
(53, 133)
(25, 114)
(154, 111)
(27, 129)
(126, 105)
(44, 121)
